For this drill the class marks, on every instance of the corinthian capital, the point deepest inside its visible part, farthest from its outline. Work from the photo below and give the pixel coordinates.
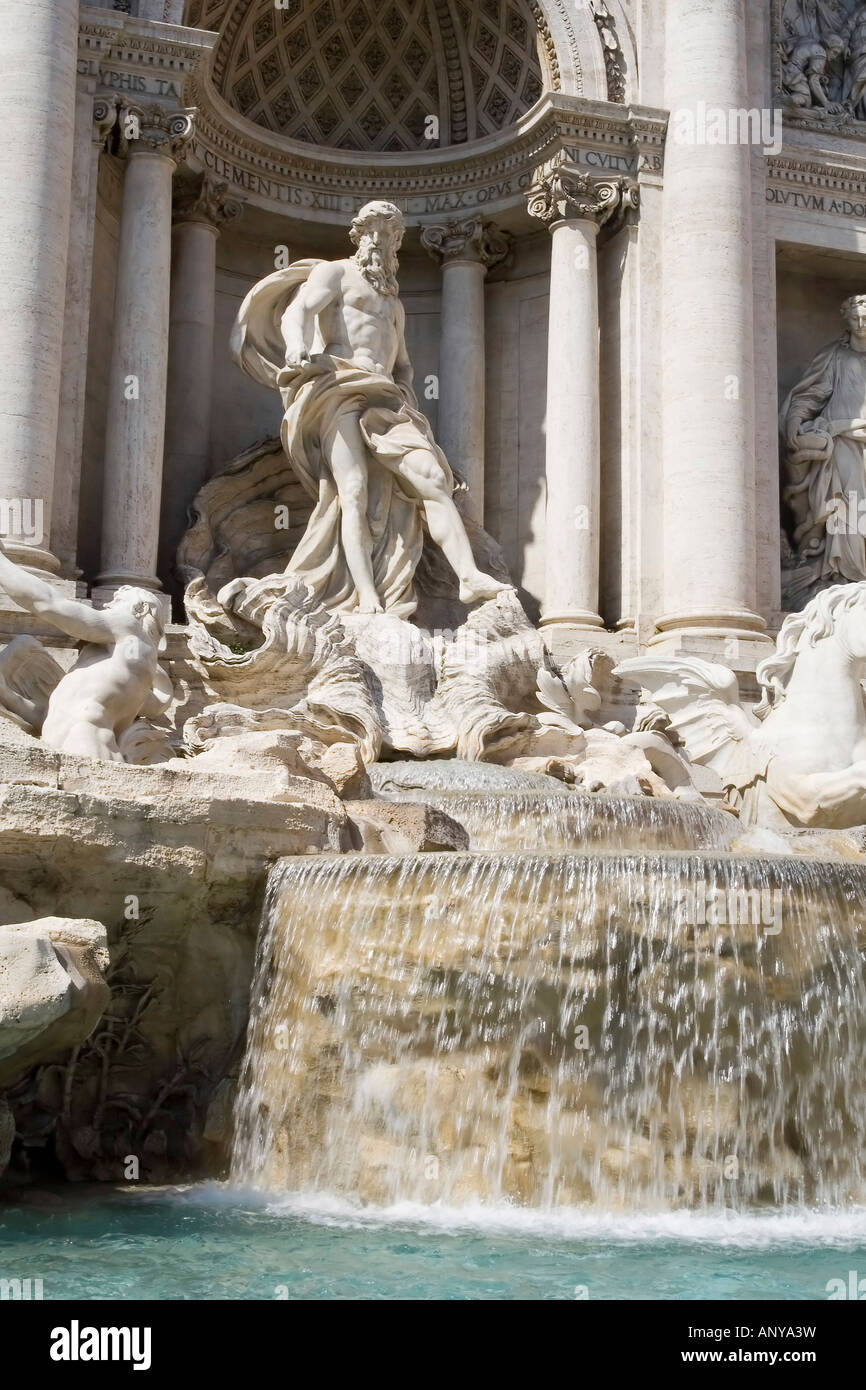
(470, 240)
(155, 130)
(202, 199)
(564, 194)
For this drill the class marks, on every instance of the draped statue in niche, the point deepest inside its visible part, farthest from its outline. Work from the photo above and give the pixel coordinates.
(823, 426)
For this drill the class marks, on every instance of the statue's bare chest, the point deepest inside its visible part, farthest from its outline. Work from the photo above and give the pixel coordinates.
(363, 302)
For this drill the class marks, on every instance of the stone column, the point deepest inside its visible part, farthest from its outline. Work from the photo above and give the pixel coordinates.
(573, 207)
(38, 56)
(465, 251)
(94, 121)
(135, 425)
(708, 407)
(201, 208)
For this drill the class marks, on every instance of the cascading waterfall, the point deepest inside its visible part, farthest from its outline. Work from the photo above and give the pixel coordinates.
(518, 820)
(624, 1029)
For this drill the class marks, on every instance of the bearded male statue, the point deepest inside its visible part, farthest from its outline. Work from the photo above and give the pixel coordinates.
(331, 336)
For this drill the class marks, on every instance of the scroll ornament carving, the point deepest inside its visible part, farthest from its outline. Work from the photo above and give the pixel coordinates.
(104, 120)
(155, 130)
(203, 199)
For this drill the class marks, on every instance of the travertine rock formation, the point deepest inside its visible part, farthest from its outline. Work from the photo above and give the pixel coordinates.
(52, 990)
(173, 862)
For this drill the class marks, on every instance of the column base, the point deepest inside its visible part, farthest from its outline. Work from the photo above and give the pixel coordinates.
(717, 638)
(720, 625)
(575, 617)
(33, 557)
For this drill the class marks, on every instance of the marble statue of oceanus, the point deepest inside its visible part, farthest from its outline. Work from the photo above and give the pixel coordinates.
(330, 335)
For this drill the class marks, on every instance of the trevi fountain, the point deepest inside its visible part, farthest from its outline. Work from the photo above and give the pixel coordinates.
(433, 621)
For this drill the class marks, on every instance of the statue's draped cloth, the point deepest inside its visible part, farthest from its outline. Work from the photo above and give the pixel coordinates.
(314, 397)
(830, 400)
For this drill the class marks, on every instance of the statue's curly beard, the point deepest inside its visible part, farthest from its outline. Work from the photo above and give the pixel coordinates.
(379, 269)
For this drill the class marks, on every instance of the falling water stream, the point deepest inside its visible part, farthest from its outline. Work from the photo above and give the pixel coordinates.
(527, 819)
(558, 1023)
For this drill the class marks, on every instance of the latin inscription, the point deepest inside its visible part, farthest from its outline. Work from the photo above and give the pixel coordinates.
(131, 83)
(817, 202)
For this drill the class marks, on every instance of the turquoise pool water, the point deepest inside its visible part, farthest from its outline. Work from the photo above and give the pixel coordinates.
(211, 1242)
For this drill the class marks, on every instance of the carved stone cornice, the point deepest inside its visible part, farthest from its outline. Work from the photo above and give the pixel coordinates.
(154, 130)
(470, 240)
(202, 199)
(817, 175)
(114, 34)
(565, 194)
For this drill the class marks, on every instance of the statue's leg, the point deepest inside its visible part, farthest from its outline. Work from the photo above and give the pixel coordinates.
(82, 738)
(348, 460)
(422, 471)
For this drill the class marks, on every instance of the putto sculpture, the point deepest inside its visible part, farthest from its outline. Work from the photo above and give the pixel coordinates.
(823, 425)
(116, 681)
(330, 335)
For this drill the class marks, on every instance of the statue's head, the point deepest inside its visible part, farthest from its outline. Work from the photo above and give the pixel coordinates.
(377, 231)
(144, 605)
(854, 314)
(849, 617)
(839, 612)
(834, 45)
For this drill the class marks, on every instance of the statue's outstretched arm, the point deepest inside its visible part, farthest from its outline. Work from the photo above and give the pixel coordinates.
(77, 619)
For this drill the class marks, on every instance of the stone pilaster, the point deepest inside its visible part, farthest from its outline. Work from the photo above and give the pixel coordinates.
(466, 250)
(152, 140)
(37, 110)
(574, 207)
(202, 207)
(708, 402)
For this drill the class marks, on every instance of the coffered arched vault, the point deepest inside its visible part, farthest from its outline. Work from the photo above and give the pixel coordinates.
(367, 75)
(359, 74)
(555, 83)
